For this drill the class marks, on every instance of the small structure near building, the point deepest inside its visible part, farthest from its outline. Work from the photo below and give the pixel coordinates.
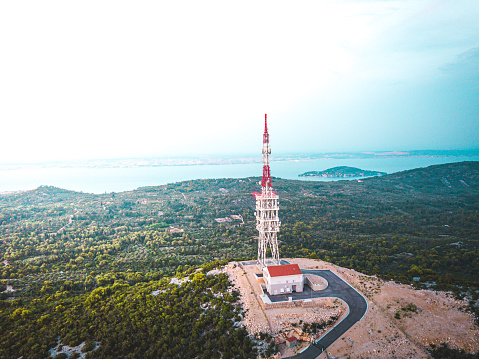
(315, 282)
(283, 279)
(291, 341)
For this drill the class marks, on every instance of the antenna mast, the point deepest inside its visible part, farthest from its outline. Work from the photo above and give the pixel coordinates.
(267, 207)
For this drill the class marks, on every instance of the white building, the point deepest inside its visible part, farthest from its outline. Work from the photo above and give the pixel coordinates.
(283, 279)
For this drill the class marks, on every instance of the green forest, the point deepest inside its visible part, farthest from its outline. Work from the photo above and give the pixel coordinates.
(80, 267)
(157, 319)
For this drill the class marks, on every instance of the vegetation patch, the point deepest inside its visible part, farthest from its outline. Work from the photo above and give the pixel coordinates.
(180, 321)
(444, 351)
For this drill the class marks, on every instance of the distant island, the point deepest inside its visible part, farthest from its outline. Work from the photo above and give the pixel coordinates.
(342, 171)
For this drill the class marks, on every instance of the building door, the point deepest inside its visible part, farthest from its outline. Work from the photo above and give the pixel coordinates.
(294, 288)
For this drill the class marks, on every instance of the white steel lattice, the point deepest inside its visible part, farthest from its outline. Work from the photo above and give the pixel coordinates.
(267, 224)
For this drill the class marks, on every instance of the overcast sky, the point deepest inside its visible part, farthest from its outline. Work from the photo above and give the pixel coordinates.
(101, 79)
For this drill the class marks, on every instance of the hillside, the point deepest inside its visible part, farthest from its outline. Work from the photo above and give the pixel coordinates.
(159, 319)
(419, 224)
(422, 209)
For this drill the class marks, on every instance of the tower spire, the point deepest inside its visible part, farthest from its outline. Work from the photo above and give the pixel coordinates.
(266, 182)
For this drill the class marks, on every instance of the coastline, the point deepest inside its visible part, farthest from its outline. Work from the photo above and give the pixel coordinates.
(96, 178)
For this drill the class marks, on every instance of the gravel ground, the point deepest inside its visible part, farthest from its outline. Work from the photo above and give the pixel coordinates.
(437, 318)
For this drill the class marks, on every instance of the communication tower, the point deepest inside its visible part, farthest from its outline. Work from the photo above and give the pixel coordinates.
(267, 207)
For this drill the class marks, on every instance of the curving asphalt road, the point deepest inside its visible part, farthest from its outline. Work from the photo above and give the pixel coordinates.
(358, 306)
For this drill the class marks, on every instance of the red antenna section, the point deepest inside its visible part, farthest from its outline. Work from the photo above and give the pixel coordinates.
(266, 134)
(266, 177)
(266, 182)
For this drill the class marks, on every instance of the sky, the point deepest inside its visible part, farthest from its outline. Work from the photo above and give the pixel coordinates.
(116, 79)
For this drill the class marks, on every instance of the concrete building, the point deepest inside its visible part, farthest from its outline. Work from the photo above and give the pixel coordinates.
(291, 341)
(283, 279)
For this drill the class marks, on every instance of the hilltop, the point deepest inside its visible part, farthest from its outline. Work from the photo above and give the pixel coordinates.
(401, 322)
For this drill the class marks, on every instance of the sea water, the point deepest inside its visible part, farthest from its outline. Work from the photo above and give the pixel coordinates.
(117, 179)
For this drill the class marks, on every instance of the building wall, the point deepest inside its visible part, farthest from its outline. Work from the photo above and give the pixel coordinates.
(283, 284)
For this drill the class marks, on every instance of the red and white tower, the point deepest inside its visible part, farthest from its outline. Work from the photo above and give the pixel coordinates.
(267, 207)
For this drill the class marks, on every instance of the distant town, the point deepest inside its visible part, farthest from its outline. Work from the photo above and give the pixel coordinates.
(232, 159)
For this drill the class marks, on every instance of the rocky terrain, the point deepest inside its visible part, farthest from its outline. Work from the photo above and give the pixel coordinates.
(401, 322)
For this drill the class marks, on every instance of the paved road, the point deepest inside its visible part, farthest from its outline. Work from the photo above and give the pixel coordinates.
(338, 288)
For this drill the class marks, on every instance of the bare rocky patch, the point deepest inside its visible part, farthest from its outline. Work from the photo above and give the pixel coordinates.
(401, 322)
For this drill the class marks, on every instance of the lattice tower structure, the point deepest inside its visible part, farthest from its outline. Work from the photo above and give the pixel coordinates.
(267, 208)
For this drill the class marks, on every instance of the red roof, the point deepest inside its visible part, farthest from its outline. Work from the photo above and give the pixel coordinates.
(280, 271)
(291, 339)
